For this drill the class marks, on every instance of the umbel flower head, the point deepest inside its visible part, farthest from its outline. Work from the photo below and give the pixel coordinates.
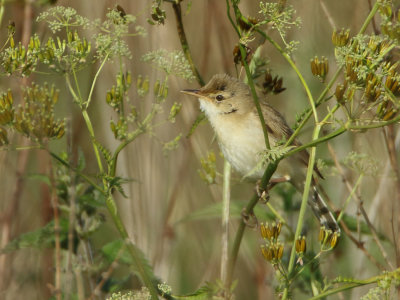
(36, 117)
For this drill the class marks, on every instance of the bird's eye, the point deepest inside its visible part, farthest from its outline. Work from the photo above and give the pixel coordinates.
(219, 97)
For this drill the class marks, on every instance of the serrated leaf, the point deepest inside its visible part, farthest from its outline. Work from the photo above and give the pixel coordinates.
(81, 160)
(205, 292)
(213, 211)
(117, 250)
(200, 118)
(43, 178)
(40, 238)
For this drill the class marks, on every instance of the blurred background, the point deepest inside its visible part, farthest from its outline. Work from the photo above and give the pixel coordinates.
(170, 211)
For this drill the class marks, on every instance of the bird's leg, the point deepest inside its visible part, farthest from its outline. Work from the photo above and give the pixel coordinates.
(263, 194)
(249, 218)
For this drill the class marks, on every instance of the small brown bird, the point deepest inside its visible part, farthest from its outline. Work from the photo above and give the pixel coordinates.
(229, 106)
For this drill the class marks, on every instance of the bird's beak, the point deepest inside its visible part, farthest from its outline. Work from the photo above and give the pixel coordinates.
(195, 93)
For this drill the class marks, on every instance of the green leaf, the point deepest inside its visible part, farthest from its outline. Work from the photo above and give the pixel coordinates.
(213, 211)
(40, 238)
(116, 250)
(200, 118)
(205, 292)
(43, 178)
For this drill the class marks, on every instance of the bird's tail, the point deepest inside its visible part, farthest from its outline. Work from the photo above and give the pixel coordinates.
(322, 212)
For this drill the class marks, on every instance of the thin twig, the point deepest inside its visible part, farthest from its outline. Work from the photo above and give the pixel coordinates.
(376, 30)
(358, 200)
(360, 245)
(225, 227)
(184, 43)
(391, 148)
(327, 14)
(54, 201)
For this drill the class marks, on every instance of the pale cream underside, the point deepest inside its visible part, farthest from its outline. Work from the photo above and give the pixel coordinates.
(241, 145)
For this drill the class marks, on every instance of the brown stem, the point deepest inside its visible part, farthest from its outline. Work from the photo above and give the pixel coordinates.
(54, 204)
(185, 46)
(360, 245)
(391, 147)
(7, 218)
(361, 209)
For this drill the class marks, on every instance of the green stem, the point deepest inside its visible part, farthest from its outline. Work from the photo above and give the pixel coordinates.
(294, 67)
(121, 146)
(86, 178)
(228, 12)
(356, 283)
(349, 197)
(255, 97)
(95, 80)
(91, 133)
(318, 102)
(247, 211)
(1, 11)
(225, 224)
(334, 78)
(303, 207)
(136, 256)
(184, 43)
(143, 126)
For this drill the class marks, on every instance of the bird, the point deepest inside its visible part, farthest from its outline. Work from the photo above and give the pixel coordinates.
(229, 106)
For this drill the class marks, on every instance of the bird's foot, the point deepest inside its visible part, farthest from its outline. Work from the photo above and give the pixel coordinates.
(249, 219)
(263, 194)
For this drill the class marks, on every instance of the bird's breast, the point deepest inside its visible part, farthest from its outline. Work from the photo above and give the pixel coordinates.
(241, 140)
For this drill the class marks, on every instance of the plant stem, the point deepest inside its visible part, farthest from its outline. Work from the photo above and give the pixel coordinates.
(184, 43)
(357, 283)
(93, 139)
(94, 81)
(240, 231)
(137, 262)
(225, 226)
(254, 95)
(294, 67)
(303, 207)
(353, 190)
(1, 11)
(334, 78)
(86, 178)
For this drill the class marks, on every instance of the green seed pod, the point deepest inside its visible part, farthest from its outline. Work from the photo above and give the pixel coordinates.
(3, 137)
(340, 38)
(300, 245)
(157, 88)
(339, 93)
(128, 78)
(139, 82)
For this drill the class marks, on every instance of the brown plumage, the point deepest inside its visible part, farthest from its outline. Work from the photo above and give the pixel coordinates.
(230, 108)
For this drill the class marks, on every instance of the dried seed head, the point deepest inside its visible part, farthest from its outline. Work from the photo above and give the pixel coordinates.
(237, 57)
(247, 24)
(272, 84)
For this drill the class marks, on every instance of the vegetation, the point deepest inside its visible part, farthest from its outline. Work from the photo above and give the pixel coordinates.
(107, 172)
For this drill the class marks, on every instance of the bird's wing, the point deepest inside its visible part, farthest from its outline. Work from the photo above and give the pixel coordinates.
(280, 130)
